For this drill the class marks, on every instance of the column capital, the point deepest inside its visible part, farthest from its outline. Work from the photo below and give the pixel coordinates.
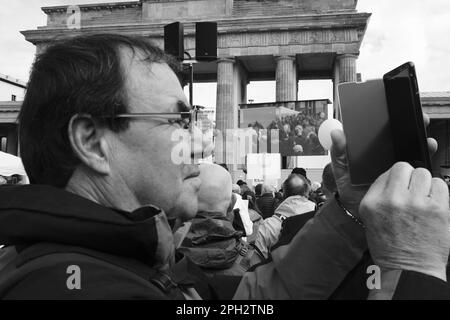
(277, 58)
(347, 55)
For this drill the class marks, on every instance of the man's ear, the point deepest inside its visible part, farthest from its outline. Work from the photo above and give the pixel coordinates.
(88, 143)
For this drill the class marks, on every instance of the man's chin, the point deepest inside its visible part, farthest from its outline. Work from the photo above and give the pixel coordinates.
(184, 210)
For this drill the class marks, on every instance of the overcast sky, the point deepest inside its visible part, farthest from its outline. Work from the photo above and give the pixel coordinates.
(398, 31)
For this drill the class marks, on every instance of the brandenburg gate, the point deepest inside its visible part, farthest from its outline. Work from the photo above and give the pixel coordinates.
(281, 40)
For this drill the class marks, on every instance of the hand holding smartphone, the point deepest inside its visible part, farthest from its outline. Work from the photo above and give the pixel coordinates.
(383, 124)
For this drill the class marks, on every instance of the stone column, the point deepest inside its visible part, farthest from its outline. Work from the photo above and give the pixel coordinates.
(336, 106)
(347, 67)
(344, 71)
(225, 113)
(286, 87)
(286, 79)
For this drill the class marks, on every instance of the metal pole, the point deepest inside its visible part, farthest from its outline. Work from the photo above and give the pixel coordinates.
(191, 84)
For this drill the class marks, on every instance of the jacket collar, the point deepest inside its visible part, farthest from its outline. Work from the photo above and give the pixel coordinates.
(295, 205)
(38, 213)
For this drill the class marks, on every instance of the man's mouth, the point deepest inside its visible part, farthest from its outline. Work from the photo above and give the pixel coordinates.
(194, 172)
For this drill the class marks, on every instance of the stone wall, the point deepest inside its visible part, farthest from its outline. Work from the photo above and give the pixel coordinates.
(186, 10)
(96, 14)
(248, 8)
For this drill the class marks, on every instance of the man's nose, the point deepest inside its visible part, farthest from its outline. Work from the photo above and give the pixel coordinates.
(201, 144)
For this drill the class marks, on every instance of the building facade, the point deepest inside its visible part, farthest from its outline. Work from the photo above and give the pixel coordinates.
(281, 40)
(11, 89)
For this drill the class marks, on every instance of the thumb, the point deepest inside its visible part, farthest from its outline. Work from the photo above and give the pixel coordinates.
(338, 153)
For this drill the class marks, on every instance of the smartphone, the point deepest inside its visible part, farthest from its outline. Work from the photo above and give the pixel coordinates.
(383, 124)
(405, 115)
(365, 120)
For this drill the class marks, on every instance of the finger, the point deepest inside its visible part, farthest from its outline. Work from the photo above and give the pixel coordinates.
(426, 119)
(399, 177)
(420, 183)
(338, 144)
(439, 191)
(432, 145)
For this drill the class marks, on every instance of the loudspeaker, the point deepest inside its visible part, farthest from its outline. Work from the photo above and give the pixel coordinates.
(206, 40)
(174, 40)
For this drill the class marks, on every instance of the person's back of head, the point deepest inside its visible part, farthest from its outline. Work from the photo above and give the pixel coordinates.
(235, 188)
(267, 189)
(328, 182)
(258, 189)
(296, 185)
(300, 171)
(215, 191)
(240, 183)
(245, 188)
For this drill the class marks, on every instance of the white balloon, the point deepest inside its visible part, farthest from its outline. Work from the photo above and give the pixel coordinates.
(325, 132)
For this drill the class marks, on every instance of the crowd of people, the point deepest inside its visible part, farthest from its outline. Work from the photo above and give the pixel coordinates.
(105, 197)
(299, 134)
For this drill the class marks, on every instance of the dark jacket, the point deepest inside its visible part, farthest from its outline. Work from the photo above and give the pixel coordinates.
(214, 245)
(267, 205)
(121, 255)
(411, 285)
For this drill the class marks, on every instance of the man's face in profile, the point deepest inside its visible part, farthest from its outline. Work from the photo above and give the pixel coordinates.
(142, 156)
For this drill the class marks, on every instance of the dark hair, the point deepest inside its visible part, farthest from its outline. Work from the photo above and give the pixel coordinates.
(251, 197)
(241, 182)
(328, 180)
(300, 171)
(292, 189)
(258, 189)
(79, 75)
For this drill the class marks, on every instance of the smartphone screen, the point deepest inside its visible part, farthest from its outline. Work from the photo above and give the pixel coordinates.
(405, 116)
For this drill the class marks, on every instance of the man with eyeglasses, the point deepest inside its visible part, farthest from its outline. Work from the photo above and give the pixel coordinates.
(100, 130)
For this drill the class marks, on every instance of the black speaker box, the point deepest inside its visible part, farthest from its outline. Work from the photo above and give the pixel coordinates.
(206, 40)
(174, 40)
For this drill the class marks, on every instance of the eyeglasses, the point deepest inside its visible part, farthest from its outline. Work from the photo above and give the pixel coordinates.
(186, 119)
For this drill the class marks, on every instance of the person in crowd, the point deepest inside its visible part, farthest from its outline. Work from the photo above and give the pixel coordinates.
(315, 193)
(254, 213)
(285, 140)
(296, 192)
(300, 171)
(258, 189)
(278, 198)
(236, 189)
(328, 185)
(105, 193)
(245, 188)
(313, 145)
(241, 183)
(212, 242)
(299, 141)
(267, 202)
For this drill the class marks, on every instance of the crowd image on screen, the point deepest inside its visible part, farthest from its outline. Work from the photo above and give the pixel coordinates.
(298, 134)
